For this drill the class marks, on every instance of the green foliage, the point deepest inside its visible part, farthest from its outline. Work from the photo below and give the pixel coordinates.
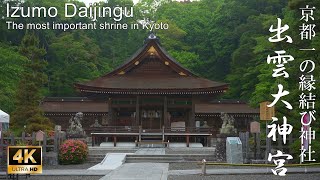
(11, 68)
(28, 94)
(73, 152)
(296, 146)
(225, 40)
(73, 51)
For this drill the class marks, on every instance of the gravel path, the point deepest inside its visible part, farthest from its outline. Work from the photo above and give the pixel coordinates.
(311, 176)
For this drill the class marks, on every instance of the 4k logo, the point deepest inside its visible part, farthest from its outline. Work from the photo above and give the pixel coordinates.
(24, 159)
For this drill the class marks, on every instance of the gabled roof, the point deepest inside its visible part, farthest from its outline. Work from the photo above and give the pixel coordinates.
(73, 105)
(151, 71)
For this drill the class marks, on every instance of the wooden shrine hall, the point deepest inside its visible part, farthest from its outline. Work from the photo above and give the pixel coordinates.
(150, 94)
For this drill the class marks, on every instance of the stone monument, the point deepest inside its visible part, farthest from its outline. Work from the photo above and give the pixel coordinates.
(75, 128)
(227, 124)
(227, 130)
(234, 150)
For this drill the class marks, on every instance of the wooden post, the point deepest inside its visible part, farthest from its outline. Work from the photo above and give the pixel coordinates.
(247, 145)
(33, 138)
(192, 122)
(140, 131)
(188, 140)
(12, 140)
(268, 142)
(162, 133)
(110, 116)
(137, 123)
(165, 113)
(44, 145)
(23, 137)
(114, 141)
(55, 141)
(255, 145)
(93, 140)
(258, 145)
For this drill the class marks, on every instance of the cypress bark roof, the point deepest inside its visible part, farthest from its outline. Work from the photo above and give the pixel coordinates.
(151, 70)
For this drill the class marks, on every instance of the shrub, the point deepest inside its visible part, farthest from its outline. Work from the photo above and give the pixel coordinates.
(296, 146)
(73, 152)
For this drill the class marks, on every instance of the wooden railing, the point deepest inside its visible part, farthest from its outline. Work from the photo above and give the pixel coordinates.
(138, 132)
(48, 144)
(136, 129)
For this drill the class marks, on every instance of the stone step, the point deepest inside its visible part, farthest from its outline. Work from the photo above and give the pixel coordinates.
(115, 150)
(168, 158)
(153, 159)
(97, 158)
(151, 137)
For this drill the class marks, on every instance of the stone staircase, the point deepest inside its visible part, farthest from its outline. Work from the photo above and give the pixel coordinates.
(167, 158)
(167, 155)
(151, 141)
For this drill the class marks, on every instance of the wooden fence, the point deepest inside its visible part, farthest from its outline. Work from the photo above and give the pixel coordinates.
(49, 143)
(259, 148)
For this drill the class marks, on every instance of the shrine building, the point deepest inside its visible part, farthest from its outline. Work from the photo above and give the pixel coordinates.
(151, 92)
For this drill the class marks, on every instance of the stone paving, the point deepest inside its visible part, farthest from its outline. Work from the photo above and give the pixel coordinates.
(252, 170)
(110, 162)
(139, 171)
(159, 171)
(151, 151)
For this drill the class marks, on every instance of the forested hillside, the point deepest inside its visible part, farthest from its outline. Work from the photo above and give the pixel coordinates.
(223, 40)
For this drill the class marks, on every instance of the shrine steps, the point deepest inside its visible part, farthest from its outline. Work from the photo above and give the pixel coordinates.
(168, 158)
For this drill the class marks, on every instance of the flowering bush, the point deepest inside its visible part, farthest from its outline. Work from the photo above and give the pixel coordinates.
(73, 152)
(50, 134)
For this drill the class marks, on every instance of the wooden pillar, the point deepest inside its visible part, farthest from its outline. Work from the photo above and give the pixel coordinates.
(192, 122)
(55, 141)
(44, 145)
(140, 132)
(110, 113)
(137, 123)
(188, 140)
(165, 113)
(114, 141)
(93, 140)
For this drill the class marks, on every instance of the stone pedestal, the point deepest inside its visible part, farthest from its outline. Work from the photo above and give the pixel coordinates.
(50, 158)
(221, 146)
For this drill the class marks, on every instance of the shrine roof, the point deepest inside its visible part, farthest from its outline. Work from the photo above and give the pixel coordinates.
(150, 70)
(73, 105)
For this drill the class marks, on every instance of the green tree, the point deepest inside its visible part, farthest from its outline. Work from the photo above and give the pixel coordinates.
(11, 68)
(28, 95)
(74, 52)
